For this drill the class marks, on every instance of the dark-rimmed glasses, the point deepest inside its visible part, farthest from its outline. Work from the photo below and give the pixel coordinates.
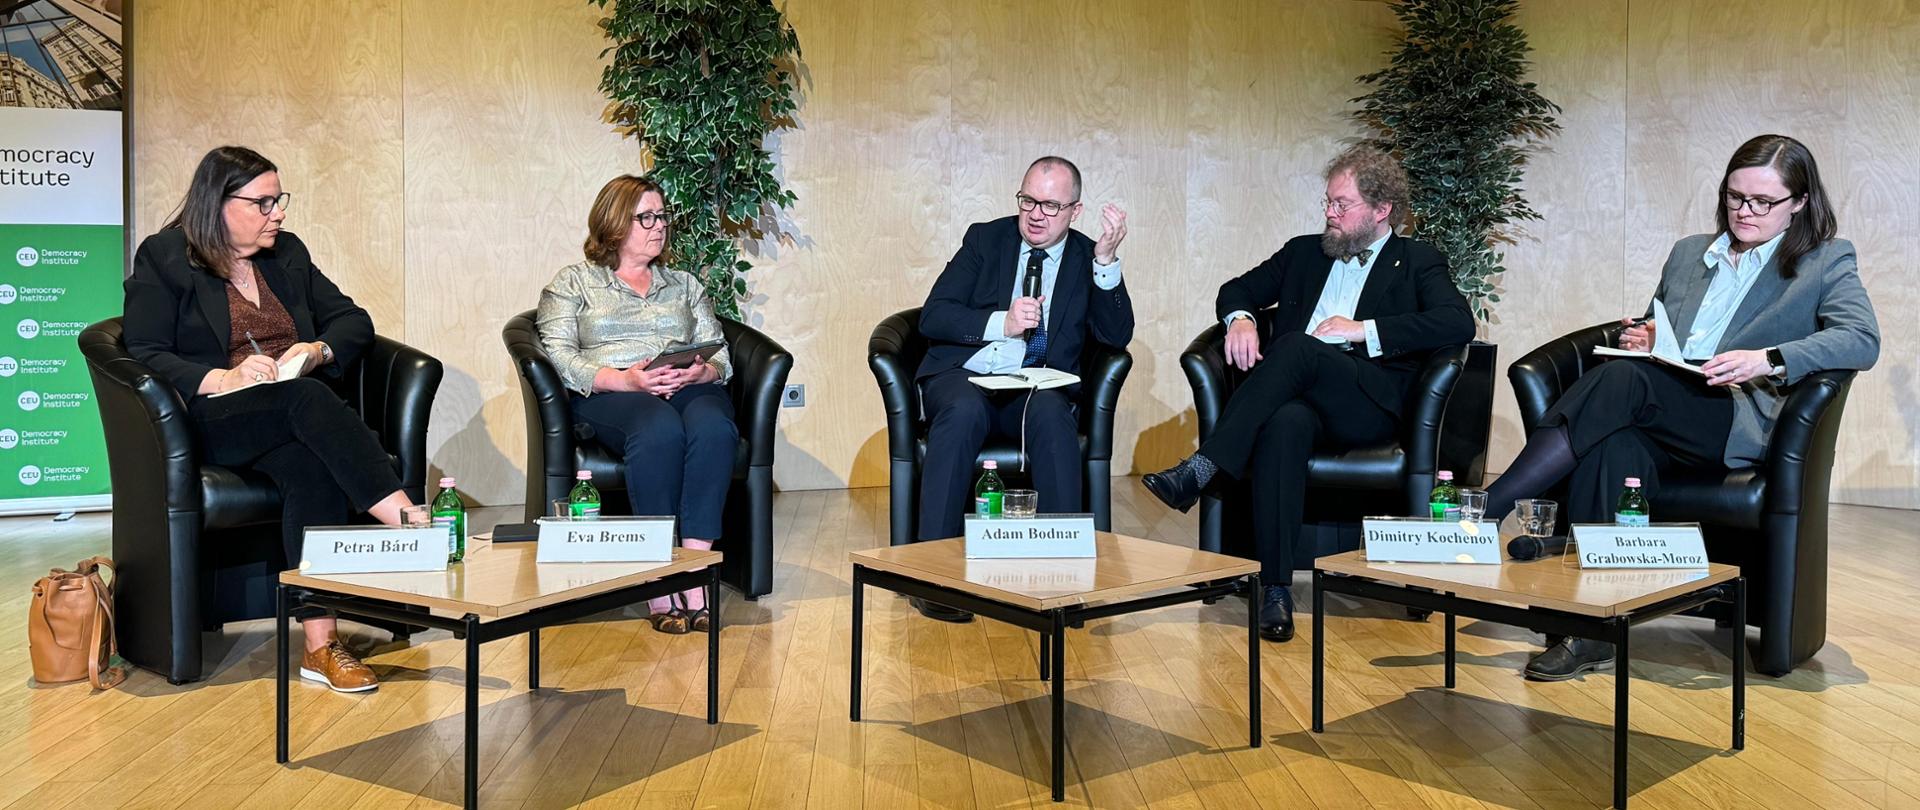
(266, 204)
(649, 219)
(1048, 207)
(1760, 206)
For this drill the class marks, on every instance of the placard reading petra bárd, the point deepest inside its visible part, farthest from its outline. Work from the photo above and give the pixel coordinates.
(1431, 541)
(372, 549)
(1040, 536)
(634, 539)
(1668, 545)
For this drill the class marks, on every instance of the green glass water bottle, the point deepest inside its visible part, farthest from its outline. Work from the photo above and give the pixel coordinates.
(986, 493)
(1631, 509)
(1445, 499)
(583, 503)
(450, 511)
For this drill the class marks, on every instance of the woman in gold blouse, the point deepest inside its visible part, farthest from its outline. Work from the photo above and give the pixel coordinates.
(602, 321)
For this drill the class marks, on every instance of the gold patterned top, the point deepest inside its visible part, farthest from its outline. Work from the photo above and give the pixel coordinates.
(589, 319)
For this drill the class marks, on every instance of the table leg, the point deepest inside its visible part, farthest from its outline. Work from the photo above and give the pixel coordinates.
(713, 644)
(281, 618)
(1319, 654)
(1046, 655)
(472, 719)
(1253, 663)
(1451, 621)
(1622, 675)
(1739, 663)
(533, 658)
(859, 604)
(1059, 651)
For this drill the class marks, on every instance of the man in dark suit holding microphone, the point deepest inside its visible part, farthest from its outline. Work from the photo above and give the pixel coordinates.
(1023, 291)
(1358, 309)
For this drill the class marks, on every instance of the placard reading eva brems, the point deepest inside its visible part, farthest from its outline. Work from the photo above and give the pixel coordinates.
(638, 539)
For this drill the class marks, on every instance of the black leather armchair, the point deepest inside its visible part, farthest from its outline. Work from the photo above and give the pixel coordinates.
(557, 446)
(1771, 520)
(197, 544)
(1446, 426)
(894, 353)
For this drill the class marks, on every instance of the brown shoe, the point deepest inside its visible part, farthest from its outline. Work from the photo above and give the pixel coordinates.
(338, 669)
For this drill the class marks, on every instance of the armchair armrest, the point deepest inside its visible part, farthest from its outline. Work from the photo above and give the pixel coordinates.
(150, 456)
(760, 368)
(893, 353)
(1425, 412)
(549, 419)
(1540, 377)
(1205, 364)
(1101, 375)
(1799, 460)
(393, 391)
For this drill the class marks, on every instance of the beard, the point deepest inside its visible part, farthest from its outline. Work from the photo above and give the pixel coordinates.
(1339, 244)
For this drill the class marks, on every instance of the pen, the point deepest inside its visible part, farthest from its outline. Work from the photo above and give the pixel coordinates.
(1640, 321)
(254, 343)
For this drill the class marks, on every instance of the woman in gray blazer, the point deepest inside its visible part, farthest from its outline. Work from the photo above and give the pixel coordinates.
(1768, 299)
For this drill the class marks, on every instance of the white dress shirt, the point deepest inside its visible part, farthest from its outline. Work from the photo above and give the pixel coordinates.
(1341, 296)
(1002, 354)
(1728, 287)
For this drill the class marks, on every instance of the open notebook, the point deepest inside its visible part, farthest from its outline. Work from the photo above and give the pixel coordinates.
(1666, 348)
(288, 370)
(1038, 379)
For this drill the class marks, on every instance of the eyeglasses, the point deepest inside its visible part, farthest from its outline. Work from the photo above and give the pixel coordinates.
(1759, 206)
(266, 204)
(1048, 207)
(649, 219)
(1338, 208)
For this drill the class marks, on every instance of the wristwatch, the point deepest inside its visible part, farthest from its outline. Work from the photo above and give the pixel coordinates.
(1778, 361)
(326, 352)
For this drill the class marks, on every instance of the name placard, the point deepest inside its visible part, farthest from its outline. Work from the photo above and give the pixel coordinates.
(1431, 541)
(372, 549)
(1662, 545)
(635, 539)
(1022, 538)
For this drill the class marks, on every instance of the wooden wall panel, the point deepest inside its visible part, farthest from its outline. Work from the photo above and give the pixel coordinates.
(314, 88)
(505, 150)
(443, 157)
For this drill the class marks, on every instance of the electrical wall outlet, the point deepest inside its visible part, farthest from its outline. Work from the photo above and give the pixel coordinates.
(794, 397)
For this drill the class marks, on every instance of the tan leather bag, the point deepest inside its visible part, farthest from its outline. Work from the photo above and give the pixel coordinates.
(70, 627)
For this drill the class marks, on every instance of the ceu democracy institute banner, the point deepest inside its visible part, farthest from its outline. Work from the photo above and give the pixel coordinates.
(62, 242)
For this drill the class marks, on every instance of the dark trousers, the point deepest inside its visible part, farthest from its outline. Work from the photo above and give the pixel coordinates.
(960, 417)
(1636, 418)
(677, 453)
(1303, 395)
(326, 461)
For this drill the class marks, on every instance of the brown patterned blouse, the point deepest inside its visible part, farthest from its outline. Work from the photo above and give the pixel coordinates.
(269, 324)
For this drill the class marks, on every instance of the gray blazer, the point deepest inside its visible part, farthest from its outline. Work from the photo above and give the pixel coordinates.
(1820, 319)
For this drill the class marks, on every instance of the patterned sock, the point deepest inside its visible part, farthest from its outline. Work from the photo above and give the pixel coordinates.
(1203, 468)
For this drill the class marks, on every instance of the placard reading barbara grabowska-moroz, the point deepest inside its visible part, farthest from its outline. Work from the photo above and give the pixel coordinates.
(1663, 545)
(635, 539)
(372, 549)
(1431, 541)
(1035, 537)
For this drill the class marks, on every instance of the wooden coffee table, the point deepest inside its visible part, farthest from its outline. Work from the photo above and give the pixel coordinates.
(1547, 596)
(1048, 595)
(497, 592)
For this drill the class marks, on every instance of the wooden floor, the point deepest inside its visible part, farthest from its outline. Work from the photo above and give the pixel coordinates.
(956, 718)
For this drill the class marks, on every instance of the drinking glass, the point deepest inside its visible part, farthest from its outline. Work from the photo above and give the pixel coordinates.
(1019, 503)
(562, 507)
(416, 517)
(1473, 505)
(1536, 516)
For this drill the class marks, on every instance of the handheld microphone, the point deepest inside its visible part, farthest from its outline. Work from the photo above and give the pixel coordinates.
(1030, 288)
(1528, 547)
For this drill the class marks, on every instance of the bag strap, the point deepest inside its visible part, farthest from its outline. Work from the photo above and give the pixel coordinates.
(102, 626)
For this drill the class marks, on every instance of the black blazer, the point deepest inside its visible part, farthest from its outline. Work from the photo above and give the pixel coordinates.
(979, 281)
(1409, 296)
(177, 321)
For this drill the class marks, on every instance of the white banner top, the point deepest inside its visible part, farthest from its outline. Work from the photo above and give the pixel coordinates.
(1431, 541)
(1662, 545)
(372, 549)
(61, 167)
(623, 539)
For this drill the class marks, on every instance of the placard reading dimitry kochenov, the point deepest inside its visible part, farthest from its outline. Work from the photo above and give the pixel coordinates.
(1434, 541)
(637, 539)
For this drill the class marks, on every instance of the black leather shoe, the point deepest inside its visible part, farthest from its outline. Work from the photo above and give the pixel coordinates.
(1276, 613)
(1177, 486)
(1569, 658)
(939, 612)
(1415, 614)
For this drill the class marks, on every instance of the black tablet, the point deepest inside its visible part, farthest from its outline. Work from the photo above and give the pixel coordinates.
(684, 356)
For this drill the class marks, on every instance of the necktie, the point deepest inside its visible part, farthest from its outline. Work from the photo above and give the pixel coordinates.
(1036, 337)
(1361, 258)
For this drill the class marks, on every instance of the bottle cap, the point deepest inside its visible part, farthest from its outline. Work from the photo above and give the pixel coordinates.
(446, 483)
(1633, 482)
(990, 464)
(1445, 475)
(583, 475)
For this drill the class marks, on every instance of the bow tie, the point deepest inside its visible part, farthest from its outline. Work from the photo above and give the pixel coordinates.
(1361, 257)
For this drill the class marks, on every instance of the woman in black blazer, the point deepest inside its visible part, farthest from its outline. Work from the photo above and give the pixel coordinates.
(218, 301)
